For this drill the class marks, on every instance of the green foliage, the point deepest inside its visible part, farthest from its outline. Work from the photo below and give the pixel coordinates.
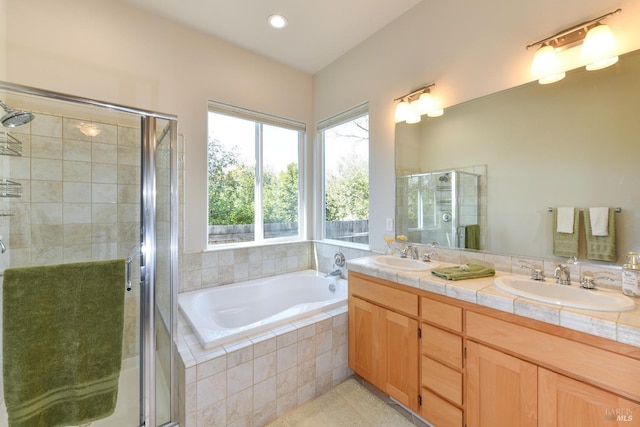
(280, 195)
(232, 190)
(347, 191)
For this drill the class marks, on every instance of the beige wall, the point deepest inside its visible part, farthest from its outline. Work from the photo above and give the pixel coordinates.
(105, 50)
(109, 51)
(468, 49)
(3, 33)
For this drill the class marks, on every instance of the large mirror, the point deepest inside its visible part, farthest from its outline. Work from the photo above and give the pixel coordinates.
(572, 143)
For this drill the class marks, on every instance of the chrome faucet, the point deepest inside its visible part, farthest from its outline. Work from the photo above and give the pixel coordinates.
(588, 280)
(536, 272)
(562, 275)
(410, 249)
(334, 273)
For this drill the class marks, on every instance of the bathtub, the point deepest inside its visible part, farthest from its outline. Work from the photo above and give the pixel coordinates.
(223, 313)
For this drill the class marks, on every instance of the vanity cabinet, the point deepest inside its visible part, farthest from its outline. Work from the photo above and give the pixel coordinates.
(441, 363)
(383, 338)
(476, 366)
(521, 376)
(501, 389)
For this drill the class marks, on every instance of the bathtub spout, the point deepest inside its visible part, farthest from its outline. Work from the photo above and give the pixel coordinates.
(334, 273)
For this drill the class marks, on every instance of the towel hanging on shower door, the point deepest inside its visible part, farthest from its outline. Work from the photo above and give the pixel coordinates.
(62, 342)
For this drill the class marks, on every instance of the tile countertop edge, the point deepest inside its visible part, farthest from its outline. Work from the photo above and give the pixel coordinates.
(484, 293)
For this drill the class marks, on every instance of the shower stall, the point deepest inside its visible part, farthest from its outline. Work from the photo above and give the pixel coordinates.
(441, 207)
(85, 183)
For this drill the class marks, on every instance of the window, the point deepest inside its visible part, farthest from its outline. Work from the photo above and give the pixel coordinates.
(254, 178)
(345, 142)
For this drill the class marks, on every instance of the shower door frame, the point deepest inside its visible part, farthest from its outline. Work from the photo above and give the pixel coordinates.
(147, 252)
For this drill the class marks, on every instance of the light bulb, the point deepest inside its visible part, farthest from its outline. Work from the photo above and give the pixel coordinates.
(403, 110)
(598, 49)
(414, 116)
(277, 21)
(546, 66)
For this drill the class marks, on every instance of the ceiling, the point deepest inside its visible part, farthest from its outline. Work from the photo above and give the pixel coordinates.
(318, 32)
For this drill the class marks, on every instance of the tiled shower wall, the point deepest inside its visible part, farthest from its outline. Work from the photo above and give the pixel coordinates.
(80, 200)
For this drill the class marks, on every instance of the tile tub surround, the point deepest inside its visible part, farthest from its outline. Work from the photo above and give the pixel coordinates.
(623, 327)
(252, 381)
(216, 267)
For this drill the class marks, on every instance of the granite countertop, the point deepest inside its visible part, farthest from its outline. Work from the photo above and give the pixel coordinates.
(623, 327)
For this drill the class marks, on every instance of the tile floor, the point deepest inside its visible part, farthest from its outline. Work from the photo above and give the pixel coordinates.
(355, 403)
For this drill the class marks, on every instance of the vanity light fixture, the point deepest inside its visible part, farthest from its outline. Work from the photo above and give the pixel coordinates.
(598, 49)
(277, 21)
(417, 103)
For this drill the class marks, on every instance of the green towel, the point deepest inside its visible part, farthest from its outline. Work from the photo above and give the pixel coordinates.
(472, 236)
(62, 342)
(473, 271)
(565, 245)
(602, 248)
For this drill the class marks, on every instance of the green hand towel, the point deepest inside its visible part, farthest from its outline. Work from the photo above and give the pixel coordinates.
(62, 342)
(565, 245)
(473, 271)
(472, 236)
(601, 248)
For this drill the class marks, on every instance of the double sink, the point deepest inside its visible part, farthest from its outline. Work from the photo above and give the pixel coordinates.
(542, 291)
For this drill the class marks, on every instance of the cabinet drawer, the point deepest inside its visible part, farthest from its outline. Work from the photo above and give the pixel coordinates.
(401, 301)
(438, 411)
(442, 346)
(442, 314)
(443, 380)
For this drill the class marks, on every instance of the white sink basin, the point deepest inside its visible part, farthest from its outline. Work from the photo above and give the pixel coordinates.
(405, 264)
(565, 296)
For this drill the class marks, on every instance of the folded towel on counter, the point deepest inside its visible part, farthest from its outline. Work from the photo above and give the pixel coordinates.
(472, 236)
(464, 271)
(62, 342)
(566, 220)
(565, 245)
(599, 221)
(601, 248)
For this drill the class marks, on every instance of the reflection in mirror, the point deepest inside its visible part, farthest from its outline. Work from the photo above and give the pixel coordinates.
(442, 207)
(572, 143)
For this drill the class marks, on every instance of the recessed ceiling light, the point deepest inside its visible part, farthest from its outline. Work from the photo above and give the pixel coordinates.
(277, 21)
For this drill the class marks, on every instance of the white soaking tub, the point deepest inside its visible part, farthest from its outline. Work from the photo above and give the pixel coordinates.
(223, 313)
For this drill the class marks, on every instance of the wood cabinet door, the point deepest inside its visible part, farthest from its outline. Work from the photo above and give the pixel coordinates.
(363, 340)
(566, 402)
(399, 357)
(501, 389)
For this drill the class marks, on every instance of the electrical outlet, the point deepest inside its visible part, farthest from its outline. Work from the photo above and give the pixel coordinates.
(389, 224)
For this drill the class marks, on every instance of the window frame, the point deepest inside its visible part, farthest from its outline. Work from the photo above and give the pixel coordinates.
(260, 119)
(321, 126)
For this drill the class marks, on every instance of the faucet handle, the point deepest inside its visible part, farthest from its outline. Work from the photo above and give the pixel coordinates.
(588, 281)
(536, 272)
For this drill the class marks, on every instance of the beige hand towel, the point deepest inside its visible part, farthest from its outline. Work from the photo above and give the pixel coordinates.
(602, 248)
(565, 220)
(599, 221)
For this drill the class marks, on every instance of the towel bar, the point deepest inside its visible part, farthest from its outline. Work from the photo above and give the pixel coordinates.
(617, 210)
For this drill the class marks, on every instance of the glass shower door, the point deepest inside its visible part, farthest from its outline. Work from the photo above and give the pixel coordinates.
(159, 401)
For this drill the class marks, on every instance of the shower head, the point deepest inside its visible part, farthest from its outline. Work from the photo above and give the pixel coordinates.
(13, 117)
(444, 178)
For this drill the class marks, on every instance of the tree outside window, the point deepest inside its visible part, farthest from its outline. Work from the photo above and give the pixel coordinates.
(346, 180)
(253, 180)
